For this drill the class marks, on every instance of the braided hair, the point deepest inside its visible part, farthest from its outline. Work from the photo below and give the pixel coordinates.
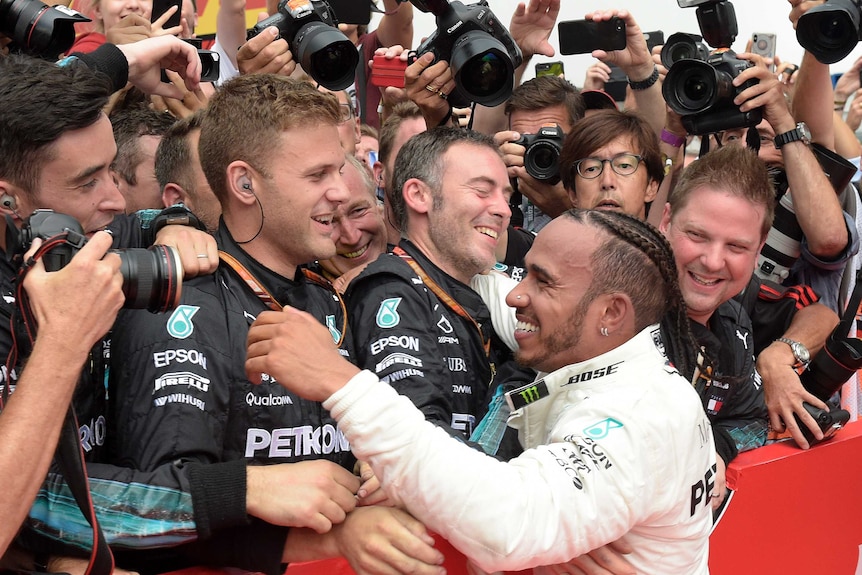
(637, 260)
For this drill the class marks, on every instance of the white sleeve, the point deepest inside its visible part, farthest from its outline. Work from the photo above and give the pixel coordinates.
(493, 288)
(544, 507)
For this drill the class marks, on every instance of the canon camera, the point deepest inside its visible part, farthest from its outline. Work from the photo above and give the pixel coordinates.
(702, 93)
(542, 154)
(480, 51)
(311, 30)
(39, 29)
(152, 277)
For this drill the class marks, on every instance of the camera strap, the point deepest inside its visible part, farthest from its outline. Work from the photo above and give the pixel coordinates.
(70, 459)
(444, 297)
(269, 300)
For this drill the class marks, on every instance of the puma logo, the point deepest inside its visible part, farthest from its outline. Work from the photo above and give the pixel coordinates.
(743, 338)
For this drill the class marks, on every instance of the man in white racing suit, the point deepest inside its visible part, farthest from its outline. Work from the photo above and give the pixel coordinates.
(617, 443)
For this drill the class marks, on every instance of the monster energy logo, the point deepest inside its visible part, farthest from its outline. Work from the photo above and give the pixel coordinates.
(530, 394)
(527, 394)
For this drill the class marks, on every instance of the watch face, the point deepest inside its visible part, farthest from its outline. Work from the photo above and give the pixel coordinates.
(801, 353)
(804, 131)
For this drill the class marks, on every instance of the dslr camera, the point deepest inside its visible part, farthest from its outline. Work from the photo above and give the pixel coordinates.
(702, 93)
(39, 29)
(831, 31)
(152, 277)
(700, 89)
(542, 154)
(481, 52)
(683, 46)
(311, 30)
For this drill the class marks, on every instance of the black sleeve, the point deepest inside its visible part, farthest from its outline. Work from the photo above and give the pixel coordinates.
(110, 61)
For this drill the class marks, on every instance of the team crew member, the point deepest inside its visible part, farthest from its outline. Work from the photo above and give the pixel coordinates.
(418, 324)
(179, 389)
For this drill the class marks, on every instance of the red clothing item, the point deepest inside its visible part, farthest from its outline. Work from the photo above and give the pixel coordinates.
(87, 42)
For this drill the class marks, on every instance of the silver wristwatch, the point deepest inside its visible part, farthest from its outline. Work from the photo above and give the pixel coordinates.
(800, 352)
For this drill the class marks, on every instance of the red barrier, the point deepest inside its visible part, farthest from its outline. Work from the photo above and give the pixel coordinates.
(793, 511)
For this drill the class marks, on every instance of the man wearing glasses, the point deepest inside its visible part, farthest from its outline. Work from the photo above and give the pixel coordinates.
(348, 125)
(612, 161)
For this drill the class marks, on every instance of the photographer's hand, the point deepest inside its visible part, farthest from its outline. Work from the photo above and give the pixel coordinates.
(531, 26)
(429, 84)
(635, 59)
(637, 62)
(767, 93)
(800, 7)
(266, 53)
(784, 394)
(77, 305)
(156, 28)
(597, 76)
(147, 57)
(191, 101)
(197, 249)
(130, 28)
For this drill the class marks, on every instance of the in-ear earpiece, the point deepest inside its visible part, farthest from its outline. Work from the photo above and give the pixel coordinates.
(8, 202)
(246, 186)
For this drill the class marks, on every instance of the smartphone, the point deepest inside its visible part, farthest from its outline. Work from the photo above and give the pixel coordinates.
(653, 39)
(584, 36)
(387, 71)
(550, 69)
(162, 6)
(763, 43)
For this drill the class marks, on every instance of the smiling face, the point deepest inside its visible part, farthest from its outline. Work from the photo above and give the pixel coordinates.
(77, 180)
(110, 12)
(470, 210)
(611, 191)
(716, 237)
(359, 231)
(552, 315)
(300, 198)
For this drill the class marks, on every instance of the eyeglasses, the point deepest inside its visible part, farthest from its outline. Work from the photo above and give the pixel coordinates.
(623, 164)
(766, 141)
(346, 112)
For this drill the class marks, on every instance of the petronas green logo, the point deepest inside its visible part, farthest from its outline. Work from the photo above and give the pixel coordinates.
(330, 323)
(180, 323)
(387, 315)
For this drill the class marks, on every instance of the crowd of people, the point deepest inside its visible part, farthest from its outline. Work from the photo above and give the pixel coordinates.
(390, 326)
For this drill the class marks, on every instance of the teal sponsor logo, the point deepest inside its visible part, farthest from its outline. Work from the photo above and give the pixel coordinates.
(602, 428)
(387, 315)
(180, 323)
(330, 323)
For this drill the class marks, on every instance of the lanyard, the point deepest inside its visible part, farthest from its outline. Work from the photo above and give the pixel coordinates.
(447, 300)
(268, 299)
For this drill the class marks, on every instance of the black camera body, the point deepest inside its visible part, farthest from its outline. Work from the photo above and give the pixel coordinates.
(210, 68)
(828, 421)
(702, 92)
(831, 30)
(39, 29)
(311, 30)
(481, 52)
(542, 154)
(152, 277)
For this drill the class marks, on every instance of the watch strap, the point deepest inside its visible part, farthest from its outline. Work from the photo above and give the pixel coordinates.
(646, 83)
(794, 347)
